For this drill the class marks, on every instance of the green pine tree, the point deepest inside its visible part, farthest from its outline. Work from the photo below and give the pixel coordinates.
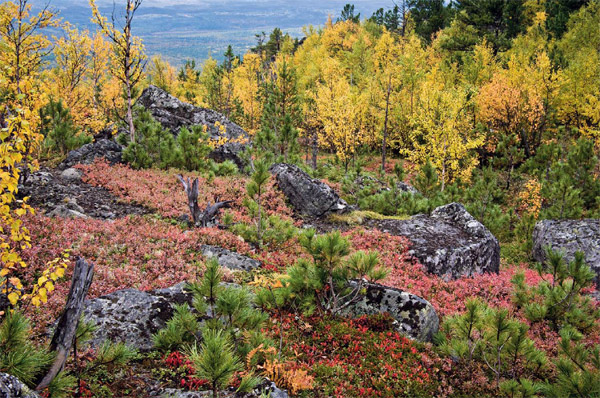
(58, 129)
(216, 361)
(277, 138)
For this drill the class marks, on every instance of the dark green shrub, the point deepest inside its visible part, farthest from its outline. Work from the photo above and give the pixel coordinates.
(322, 283)
(489, 337)
(154, 146)
(58, 129)
(559, 302)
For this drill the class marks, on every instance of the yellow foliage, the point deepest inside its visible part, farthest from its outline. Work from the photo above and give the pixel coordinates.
(530, 198)
(55, 270)
(78, 76)
(287, 376)
(511, 108)
(14, 142)
(162, 74)
(442, 134)
(335, 105)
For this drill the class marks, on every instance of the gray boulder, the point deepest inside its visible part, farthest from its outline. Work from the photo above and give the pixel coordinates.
(402, 186)
(132, 316)
(416, 318)
(569, 236)
(174, 114)
(11, 387)
(229, 259)
(66, 211)
(449, 243)
(103, 148)
(309, 196)
(71, 174)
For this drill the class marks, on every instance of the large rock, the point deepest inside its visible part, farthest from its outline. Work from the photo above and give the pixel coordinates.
(569, 236)
(11, 387)
(449, 243)
(103, 148)
(174, 114)
(229, 259)
(307, 195)
(132, 316)
(416, 318)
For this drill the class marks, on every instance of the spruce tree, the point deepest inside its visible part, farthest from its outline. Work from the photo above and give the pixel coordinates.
(277, 139)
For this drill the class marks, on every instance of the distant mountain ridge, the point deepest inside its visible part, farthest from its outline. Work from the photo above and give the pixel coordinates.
(185, 29)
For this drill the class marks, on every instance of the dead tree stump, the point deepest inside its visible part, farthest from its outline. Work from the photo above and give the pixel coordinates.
(204, 217)
(64, 335)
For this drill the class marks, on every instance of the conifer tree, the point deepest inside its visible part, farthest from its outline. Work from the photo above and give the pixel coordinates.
(155, 146)
(561, 198)
(58, 129)
(278, 135)
(216, 361)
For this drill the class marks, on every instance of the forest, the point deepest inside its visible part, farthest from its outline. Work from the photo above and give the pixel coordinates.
(402, 204)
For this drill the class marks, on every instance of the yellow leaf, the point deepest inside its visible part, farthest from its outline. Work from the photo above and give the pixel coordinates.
(13, 298)
(42, 293)
(42, 280)
(4, 271)
(60, 272)
(49, 286)
(35, 301)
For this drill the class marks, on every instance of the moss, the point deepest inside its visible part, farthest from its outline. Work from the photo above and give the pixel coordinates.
(358, 217)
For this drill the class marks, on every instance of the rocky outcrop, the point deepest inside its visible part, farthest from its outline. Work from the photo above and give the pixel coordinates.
(132, 316)
(569, 236)
(64, 194)
(174, 114)
(229, 259)
(449, 243)
(416, 318)
(11, 387)
(309, 196)
(103, 148)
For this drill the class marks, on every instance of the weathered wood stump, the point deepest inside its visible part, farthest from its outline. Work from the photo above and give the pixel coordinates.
(202, 218)
(64, 335)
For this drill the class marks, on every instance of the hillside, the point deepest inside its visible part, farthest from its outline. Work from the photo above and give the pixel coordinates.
(404, 203)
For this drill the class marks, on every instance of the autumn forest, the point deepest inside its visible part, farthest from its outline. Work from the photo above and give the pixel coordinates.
(402, 204)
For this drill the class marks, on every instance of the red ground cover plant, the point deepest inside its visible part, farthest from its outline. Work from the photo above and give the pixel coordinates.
(162, 192)
(364, 357)
(449, 297)
(133, 252)
(184, 372)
